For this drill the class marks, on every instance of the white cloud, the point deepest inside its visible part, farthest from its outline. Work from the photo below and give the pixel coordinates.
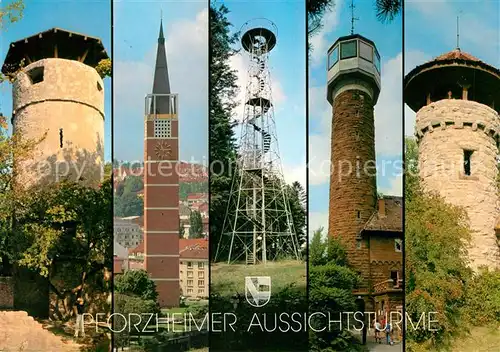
(395, 188)
(295, 172)
(388, 114)
(319, 41)
(317, 220)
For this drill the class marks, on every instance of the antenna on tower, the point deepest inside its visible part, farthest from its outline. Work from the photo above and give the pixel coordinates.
(458, 29)
(352, 16)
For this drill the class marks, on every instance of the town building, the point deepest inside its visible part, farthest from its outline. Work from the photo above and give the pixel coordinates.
(127, 231)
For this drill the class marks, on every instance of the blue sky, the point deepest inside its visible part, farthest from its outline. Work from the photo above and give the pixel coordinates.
(431, 31)
(185, 26)
(88, 17)
(287, 67)
(388, 111)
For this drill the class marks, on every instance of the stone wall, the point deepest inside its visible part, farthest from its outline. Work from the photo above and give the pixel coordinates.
(445, 129)
(352, 194)
(68, 102)
(6, 293)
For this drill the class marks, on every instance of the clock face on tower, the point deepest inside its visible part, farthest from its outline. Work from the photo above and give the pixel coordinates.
(163, 150)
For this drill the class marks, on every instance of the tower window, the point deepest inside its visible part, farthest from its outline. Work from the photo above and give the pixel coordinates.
(398, 245)
(99, 88)
(395, 277)
(358, 244)
(467, 161)
(60, 137)
(358, 214)
(36, 75)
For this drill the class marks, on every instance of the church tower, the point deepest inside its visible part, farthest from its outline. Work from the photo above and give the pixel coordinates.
(161, 183)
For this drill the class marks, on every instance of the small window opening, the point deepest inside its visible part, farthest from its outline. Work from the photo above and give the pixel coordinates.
(60, 137)
(358, 214)
(394, 277)
(36, 75)
(398, 245)
(99, 88)
(467, 161)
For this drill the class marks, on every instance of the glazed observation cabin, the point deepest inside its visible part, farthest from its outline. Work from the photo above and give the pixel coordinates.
(353, 60)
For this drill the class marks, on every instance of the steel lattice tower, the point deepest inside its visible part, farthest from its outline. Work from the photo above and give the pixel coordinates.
(258, 224)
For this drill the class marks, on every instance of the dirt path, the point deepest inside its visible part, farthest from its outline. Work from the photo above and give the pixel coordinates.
(20, 332)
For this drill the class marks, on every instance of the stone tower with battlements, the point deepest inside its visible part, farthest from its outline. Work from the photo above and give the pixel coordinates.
(58, 93)
(353, 89)
(161, 183)
(457, 100)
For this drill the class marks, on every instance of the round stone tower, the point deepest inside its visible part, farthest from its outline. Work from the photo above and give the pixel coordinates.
(457, 100)
(58, 93)
(353, 89)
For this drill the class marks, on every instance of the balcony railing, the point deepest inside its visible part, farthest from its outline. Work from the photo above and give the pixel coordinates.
(161, 104)
(387, 285)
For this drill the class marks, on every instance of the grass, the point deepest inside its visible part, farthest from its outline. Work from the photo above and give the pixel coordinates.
(480, 339)
(227, 279)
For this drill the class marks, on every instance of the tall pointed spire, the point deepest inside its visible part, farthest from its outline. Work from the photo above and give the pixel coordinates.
(161, 83)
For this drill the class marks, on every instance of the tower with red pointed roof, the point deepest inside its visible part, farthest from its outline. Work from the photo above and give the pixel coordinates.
(161, 183)
(457, 100)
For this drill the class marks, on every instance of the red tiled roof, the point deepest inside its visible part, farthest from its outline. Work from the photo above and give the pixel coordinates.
(194, 253)
(456, 54)
(194, 196)
(192, 243)
(393, 219)
(138, 249)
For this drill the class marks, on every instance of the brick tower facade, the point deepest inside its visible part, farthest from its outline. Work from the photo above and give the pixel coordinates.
(353, 89)
(161, 184)
(457, 100)
(370, 228)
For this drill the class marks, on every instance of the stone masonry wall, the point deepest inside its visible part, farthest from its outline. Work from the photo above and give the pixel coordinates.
(70, 99)
(445, 128)
(352, 147)
(6, 292)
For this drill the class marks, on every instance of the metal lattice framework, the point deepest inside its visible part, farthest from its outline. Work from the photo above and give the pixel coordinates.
(258, 224)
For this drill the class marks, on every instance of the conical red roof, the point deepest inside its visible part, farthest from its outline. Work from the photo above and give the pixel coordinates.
(456, 54)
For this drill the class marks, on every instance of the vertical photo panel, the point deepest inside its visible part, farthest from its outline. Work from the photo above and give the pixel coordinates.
(161, 267)
(355, 176)
(452, 105)
(257, 122)
(55, 175)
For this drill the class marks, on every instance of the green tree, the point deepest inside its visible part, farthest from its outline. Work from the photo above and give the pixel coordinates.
(317, 249)
(331, 283)
(64, 233)
(135, 308)
(136, 283)
(129, 204)
(223, 90)
(297, 201)
(11, 12)
(133, 184)
(436, 267)
(196, 228)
